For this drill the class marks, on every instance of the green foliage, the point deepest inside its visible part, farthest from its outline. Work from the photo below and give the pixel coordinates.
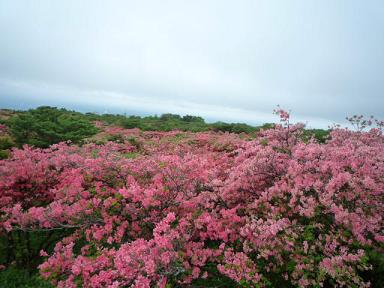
(131, 122)
(45, 126)
(23, 248)
(131, 155)
(233, 127)
(376, 275)
(14, 277)
(118, 138)
(267, 126)
(20, 253)
(4, 154)
(6, 142)
(168, 122)
(169, 116)
(320, 135)
(165, 122)
(134, 142)
(196, 119)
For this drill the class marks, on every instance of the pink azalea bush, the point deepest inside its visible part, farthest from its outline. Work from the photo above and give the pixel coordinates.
(3, 129)
(277, 209)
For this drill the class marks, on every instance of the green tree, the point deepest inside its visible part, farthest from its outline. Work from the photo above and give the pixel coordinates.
(44, 126)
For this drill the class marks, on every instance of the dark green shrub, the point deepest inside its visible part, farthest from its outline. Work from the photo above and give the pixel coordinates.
(233, 127)
(45, 126)
(14, 277)
(4, 154)
(6, 142)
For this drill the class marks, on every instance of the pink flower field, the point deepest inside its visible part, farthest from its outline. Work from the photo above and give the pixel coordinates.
(207, 209)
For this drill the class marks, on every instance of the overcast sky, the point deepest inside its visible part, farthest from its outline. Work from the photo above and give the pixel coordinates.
(223, 60)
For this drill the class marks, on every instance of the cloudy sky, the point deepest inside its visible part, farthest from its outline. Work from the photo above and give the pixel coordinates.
(223, 60)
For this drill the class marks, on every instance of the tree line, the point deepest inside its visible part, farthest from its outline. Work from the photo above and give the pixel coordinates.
(45, 125)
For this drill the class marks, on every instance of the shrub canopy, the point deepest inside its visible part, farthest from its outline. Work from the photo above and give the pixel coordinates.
(45, 126)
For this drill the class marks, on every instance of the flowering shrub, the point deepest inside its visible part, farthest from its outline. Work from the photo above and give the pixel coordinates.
(274, 211)
(3, 129)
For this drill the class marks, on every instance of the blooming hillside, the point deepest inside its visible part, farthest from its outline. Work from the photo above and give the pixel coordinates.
(183, 209)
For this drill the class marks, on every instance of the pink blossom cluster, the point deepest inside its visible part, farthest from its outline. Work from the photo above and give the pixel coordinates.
(276, 207)
(3, 129)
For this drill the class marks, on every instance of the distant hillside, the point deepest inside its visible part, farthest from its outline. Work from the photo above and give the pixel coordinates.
(164, 122)
(44, 126)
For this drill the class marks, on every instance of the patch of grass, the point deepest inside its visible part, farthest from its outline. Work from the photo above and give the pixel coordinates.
(131, 155)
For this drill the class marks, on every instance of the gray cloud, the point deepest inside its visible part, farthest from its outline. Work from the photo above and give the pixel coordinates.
(229, 60)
